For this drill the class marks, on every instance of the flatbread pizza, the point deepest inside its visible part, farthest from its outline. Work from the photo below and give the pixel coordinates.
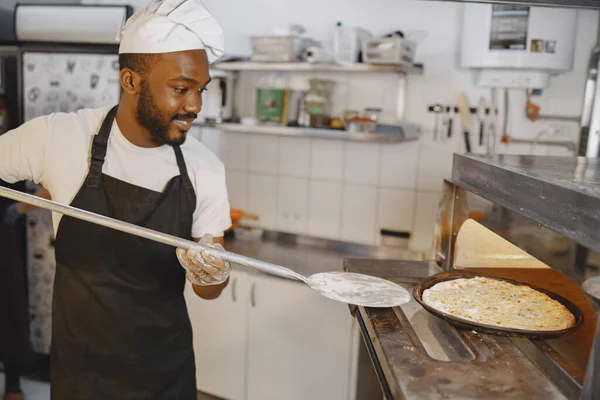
(498, 303)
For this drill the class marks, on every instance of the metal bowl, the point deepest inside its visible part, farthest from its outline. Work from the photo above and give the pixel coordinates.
(592, 288)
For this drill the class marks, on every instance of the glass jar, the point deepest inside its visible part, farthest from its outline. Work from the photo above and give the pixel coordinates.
(372, 113)
(318, 100)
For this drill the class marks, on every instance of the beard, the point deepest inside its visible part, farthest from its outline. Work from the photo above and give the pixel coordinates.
(158, 123)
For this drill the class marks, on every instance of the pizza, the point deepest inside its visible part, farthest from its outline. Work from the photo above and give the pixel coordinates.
(499, 303)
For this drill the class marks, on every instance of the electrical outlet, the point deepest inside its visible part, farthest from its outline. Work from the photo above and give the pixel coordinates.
(559, 131)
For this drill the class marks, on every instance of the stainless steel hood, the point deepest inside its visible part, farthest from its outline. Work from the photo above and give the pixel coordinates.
(592, 4)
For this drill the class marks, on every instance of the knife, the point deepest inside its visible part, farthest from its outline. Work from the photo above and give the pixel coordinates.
(493, 124)
(465, 118)
(481, 106)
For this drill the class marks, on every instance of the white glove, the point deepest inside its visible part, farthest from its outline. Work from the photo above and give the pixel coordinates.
(203, 267)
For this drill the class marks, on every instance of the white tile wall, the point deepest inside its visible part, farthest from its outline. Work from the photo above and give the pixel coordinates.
(341, 91)
(390, 96)
(234, 150)
(263, 198)
(327, 159)
(403, 167)
(425, 219)
(361, 163)
(264, 154)
(325, 208)
(350, 190)
(293, 205)
(237, 188)
(359, 213)
(399, 165)
(294, 157)
(435, 165)
(211, 138)
(396, 209)
(365, 90)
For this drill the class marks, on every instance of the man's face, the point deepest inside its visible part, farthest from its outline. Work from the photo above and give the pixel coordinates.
(170, 96)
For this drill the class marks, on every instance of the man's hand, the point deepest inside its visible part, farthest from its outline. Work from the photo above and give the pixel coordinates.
(207, 272)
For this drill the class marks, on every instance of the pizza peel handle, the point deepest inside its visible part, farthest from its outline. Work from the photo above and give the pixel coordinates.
(150, 234)
(358, 289)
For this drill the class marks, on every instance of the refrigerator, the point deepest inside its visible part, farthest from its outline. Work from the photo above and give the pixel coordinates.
(59, 76)
(56, 79)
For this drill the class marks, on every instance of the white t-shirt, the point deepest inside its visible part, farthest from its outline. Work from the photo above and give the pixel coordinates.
(54, 151)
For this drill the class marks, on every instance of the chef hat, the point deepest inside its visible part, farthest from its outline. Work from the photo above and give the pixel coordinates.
(167, 26)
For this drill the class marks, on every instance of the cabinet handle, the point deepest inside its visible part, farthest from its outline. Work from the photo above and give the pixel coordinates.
(233, 295)
(253, 295)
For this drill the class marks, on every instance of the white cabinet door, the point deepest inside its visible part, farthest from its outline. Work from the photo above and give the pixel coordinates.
(220, 338)
(299, 344)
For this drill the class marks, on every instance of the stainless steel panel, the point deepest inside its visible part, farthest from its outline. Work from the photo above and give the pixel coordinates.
(560, 193)
(594, 4)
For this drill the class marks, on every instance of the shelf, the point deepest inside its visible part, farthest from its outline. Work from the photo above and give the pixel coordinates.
(408, 132)
(307, 67)
(6, 50)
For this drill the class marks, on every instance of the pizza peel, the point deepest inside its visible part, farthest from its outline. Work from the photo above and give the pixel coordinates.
(346, 287)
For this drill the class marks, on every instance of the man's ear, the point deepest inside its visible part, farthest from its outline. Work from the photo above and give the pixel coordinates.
(130, 81)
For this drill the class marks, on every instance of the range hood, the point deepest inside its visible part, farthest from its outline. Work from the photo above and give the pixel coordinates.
(593, 4)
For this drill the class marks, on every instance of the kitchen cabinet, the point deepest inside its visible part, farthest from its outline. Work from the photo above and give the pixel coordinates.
(219, 338)
(299, 343)
(270, 338)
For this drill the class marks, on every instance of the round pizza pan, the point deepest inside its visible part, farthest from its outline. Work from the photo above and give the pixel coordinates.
(492, 329)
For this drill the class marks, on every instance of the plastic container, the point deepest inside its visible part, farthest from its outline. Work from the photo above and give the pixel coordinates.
(390, 51)
(362, 125)
(347, 42)
(278, 48)
(248, 234)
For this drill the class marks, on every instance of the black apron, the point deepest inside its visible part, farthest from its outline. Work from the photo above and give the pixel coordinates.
(120, 327)
(15, 343)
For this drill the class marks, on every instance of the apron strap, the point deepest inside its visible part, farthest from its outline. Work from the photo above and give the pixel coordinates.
(99, 147)
(187, 183)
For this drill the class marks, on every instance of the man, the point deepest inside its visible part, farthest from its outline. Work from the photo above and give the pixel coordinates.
(120, 324)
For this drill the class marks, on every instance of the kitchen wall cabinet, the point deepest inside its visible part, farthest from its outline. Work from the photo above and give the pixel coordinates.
(269, 338)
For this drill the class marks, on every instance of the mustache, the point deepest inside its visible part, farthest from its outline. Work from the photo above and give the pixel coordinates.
(185, 117)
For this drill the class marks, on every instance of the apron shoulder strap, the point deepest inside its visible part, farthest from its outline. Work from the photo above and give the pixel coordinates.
(187, 183)
(99, 147)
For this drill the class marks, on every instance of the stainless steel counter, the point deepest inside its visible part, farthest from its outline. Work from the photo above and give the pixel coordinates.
(307, 255)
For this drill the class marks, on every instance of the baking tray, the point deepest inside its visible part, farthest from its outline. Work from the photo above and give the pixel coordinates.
(491, 329)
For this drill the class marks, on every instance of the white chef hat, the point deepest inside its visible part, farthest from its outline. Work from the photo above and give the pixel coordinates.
(167, 26)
